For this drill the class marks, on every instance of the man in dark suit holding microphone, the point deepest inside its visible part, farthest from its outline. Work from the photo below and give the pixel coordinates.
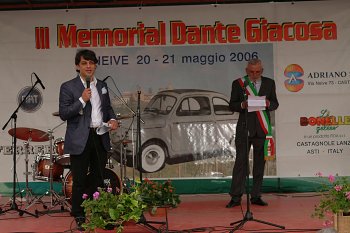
(257, 125)
(85, 104)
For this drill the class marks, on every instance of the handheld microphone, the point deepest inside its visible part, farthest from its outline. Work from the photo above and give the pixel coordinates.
(87, 79)
(39, 81)
(106, 78)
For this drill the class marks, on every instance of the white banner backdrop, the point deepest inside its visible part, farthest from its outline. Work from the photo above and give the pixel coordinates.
(304, 47)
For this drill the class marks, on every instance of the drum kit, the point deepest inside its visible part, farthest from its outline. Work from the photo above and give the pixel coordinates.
(46, 167)
(50, 167)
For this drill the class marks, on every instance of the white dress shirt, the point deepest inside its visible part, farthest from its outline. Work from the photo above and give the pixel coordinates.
(96, 112)
(257, 84)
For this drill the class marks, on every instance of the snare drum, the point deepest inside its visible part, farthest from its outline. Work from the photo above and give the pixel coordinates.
(59, 146)
(41, 168)
(110, 180)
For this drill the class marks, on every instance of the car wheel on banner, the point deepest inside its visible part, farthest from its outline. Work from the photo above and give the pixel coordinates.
(153, 156)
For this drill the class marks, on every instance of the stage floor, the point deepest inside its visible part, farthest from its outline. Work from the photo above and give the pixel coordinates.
(196, 213)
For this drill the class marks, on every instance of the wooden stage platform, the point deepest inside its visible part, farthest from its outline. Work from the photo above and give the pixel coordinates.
(196, 213)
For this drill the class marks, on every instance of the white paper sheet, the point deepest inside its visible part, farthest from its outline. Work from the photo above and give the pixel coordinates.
(104, 128)
(256, 103)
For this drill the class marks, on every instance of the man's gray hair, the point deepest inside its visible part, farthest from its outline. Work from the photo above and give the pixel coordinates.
(254, 61)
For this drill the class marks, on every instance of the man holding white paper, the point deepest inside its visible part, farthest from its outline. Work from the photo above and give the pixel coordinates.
(253, 96)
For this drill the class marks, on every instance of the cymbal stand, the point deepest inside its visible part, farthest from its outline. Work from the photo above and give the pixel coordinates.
(123, 161)
(29, 195)
(126, 179)
(121, 164)
(28, 191)
(55, 199)
(133, 151)
(143, 219)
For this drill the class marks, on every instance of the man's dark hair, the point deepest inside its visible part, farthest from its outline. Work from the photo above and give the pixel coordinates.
(87, 55)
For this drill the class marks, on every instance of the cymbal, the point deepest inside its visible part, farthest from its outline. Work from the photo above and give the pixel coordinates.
(56, 114)
(35, 135)
(121, 117)
(124, 141)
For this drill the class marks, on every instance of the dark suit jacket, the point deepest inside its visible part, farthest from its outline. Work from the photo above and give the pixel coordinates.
(268, 89)
(79, 118)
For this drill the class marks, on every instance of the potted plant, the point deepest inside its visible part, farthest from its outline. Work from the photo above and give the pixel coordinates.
(335, 200)
(106, 210)
(156, 194)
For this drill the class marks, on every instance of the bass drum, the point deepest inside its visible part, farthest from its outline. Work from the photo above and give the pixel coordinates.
(110, 180)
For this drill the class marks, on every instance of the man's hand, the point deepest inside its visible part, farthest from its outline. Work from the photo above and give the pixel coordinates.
(86, 95)
(244, 105)
(267, 103)
(113, 124)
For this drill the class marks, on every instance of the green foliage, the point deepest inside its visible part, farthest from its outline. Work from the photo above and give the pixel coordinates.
(106, 210)
(335, 197)
(156, 194)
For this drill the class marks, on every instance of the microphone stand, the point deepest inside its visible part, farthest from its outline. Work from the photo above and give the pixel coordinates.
(138, 135)
(143, 219)
(122, 147)
(248, 215)
(14, 206)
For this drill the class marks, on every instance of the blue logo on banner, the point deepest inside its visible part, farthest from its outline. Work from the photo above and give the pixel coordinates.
(34, 99)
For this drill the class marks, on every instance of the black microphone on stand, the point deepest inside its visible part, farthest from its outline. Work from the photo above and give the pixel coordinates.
(246, 83)
(39, 81)
(244, 87)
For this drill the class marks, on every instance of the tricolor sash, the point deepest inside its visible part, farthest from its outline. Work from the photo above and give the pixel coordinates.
(269, 146)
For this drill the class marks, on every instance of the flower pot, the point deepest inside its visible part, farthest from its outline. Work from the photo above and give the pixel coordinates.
(342, 222)
(129, 223)
(99, 230)
(160, 212)
(108, 228)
